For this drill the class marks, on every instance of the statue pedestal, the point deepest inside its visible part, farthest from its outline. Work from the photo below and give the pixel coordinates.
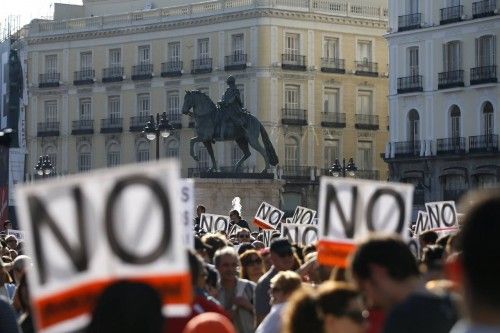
(216, 194)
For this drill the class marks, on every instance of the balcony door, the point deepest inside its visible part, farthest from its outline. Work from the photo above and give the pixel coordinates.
(85, 109)
(451, 56)
(412, 6)
(487, 120)
(413, 126)
(144, 55)
(291, 152)
(455, 121)
(485, 51)
(413, 61)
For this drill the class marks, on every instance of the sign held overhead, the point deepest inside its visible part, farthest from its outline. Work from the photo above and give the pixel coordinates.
(268, 216)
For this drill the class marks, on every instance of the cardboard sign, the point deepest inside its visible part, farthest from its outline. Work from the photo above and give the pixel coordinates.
(442, 215)
(187, 210)
(18, 233)
(303, 215)
(266, 237)
(302, 234)
(268, 216)
(422, 223)
(215, 223)
(350, 209)
(85, 232)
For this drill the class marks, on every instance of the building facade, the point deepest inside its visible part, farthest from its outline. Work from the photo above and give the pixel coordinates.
(444, 96)
(314, 73)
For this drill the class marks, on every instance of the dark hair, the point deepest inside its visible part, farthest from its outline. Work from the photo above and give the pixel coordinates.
(432, 257)
(212, 276)
(428, 237)
(308, 249)
(481, 248)
(301, 315)
(389, 252)
(442, 241)
(195, 266)
(334, 297)
(245, 247)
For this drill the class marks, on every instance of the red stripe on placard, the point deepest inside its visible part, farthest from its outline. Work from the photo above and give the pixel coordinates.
(80, 300)
(332, 253)
(262, 224)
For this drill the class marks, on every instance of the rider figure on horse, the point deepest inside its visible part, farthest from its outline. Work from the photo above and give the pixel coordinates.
(231, 106)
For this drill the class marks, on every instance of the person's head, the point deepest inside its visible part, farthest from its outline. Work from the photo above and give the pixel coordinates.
(11, 241)
(230, 80)
(265, 254)
(197, 270)
(215, 241)
(19, 266)
(432, 258)
(300, 314)
(283, 285)
(234, 216)
(258, 245)
(282, 255)
(200, 209)
(244, 247)
(226, 261)
(243, 236)
(428, 237)
(308, 249)
(340, 308)
(480, 242)
(7, 225)
(127, 307)
(202, 248)
(209, 322)
(252, 266)
(211, 281)
(381, 266)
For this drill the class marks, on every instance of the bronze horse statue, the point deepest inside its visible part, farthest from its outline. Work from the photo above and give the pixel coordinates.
(208, 120)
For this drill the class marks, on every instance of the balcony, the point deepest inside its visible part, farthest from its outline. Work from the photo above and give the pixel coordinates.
(48, 128)
(410, 84)
(450, 146)
(483, 143)
(366, 68)
(451, 79)
(451, 14)
(485, 74)
(172, 68)
(293, 62)
(333, 65)
(333, 119)
(142, 72)
(366, 121)
(201, 66)
(297, 117)
(82, 127)
(484, 8)
(137, 123)
(235, 62)
(112, 74)
(409, 22)
(454, 195)
(175, 119)
(368, 174)
(407, 148)
(111, 125)
(296, 172)
(85, 76)
(49, 80)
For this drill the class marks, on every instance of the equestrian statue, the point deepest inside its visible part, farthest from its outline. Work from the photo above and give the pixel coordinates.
(226, 122)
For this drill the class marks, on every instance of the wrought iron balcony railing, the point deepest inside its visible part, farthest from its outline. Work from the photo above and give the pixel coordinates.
(366, 68)
(201, 66)
(410, 84)
(83, 126)
(451, 79)
(368, 174)
(49, 80)
(294, 117)
(333, 65)
(484, 8)
(137, 123)
(175, 119)
(484, 74)
(293, 61)
(367, 121)
(172, 68)
(48, 128)
(451, 14)
(296, 172)
(84, 76)
(142, 71)
(407, 148)
(112, 125)
(333, 119)
(237, 61)
(483, 143)
(450, 146)
(409, 22)
(112, 74)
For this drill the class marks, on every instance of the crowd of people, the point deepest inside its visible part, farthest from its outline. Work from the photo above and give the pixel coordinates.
(241, 285)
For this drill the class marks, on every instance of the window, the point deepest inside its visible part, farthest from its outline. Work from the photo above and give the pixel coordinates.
(365, 155)
(203, 156)
(331, 100)
(455, 121)
(50, 111)
(487, 181)
(142, 152)
(173, 111)
(365, 51)
(84, 158)
(331, 152)
(331, 48)
(451, 56)
(113, 155)
(51, 63)
(485, 51)
(453, 3)
(413, 126)
(237, 44)
(292, 97)
(115, 57)
(143, 105)
(85, 109)
(172, 149)
(114, 107)
(412, 6)
(241, 88)
(203, 48)
(487, 118)
(85, 61)
(144, 54)
(413, 61)
(292, 44)
(174, 51)
(364, 102)
(291, 152)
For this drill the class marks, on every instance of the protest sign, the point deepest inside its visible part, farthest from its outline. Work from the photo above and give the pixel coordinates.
(422, 224)
(350, 209)
(18, 233)
(442, 215)
(302, 234)
(215, 223)
(85, 232)
(303, 215)
(266, 237)
(268, 216)
(187, 210)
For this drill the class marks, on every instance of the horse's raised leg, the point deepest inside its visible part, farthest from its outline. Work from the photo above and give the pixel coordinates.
(243, 144)
(208, 145)
(254, 142)
(192, 141)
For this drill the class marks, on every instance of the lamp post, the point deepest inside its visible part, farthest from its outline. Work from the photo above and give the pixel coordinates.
(154, 130)
(338, 170)
(44, 167)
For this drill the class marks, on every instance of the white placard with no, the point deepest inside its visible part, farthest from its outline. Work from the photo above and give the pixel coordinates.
(268, 216)
(303, 215)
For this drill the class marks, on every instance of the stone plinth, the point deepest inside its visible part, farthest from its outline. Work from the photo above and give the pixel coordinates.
(216, 194)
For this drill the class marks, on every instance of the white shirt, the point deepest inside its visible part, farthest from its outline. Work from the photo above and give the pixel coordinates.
(272, 322)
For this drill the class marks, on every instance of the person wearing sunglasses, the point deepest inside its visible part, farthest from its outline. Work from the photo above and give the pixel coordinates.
(252, 266)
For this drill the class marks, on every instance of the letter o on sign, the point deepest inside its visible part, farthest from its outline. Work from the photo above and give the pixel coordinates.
(400, 206)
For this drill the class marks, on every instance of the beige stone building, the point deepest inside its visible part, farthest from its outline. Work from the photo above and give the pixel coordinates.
(313, 71)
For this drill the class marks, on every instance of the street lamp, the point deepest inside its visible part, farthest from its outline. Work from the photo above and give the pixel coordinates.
(338, 170)
(154, 130)
(44, 167)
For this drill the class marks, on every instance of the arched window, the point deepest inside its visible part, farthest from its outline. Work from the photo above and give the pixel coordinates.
(413, 126)
(292, 157)
(172, 149)
(487, 121)
(455, 121)
(113, 155)
(142, 151)
(331, 152)
(84, 158)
